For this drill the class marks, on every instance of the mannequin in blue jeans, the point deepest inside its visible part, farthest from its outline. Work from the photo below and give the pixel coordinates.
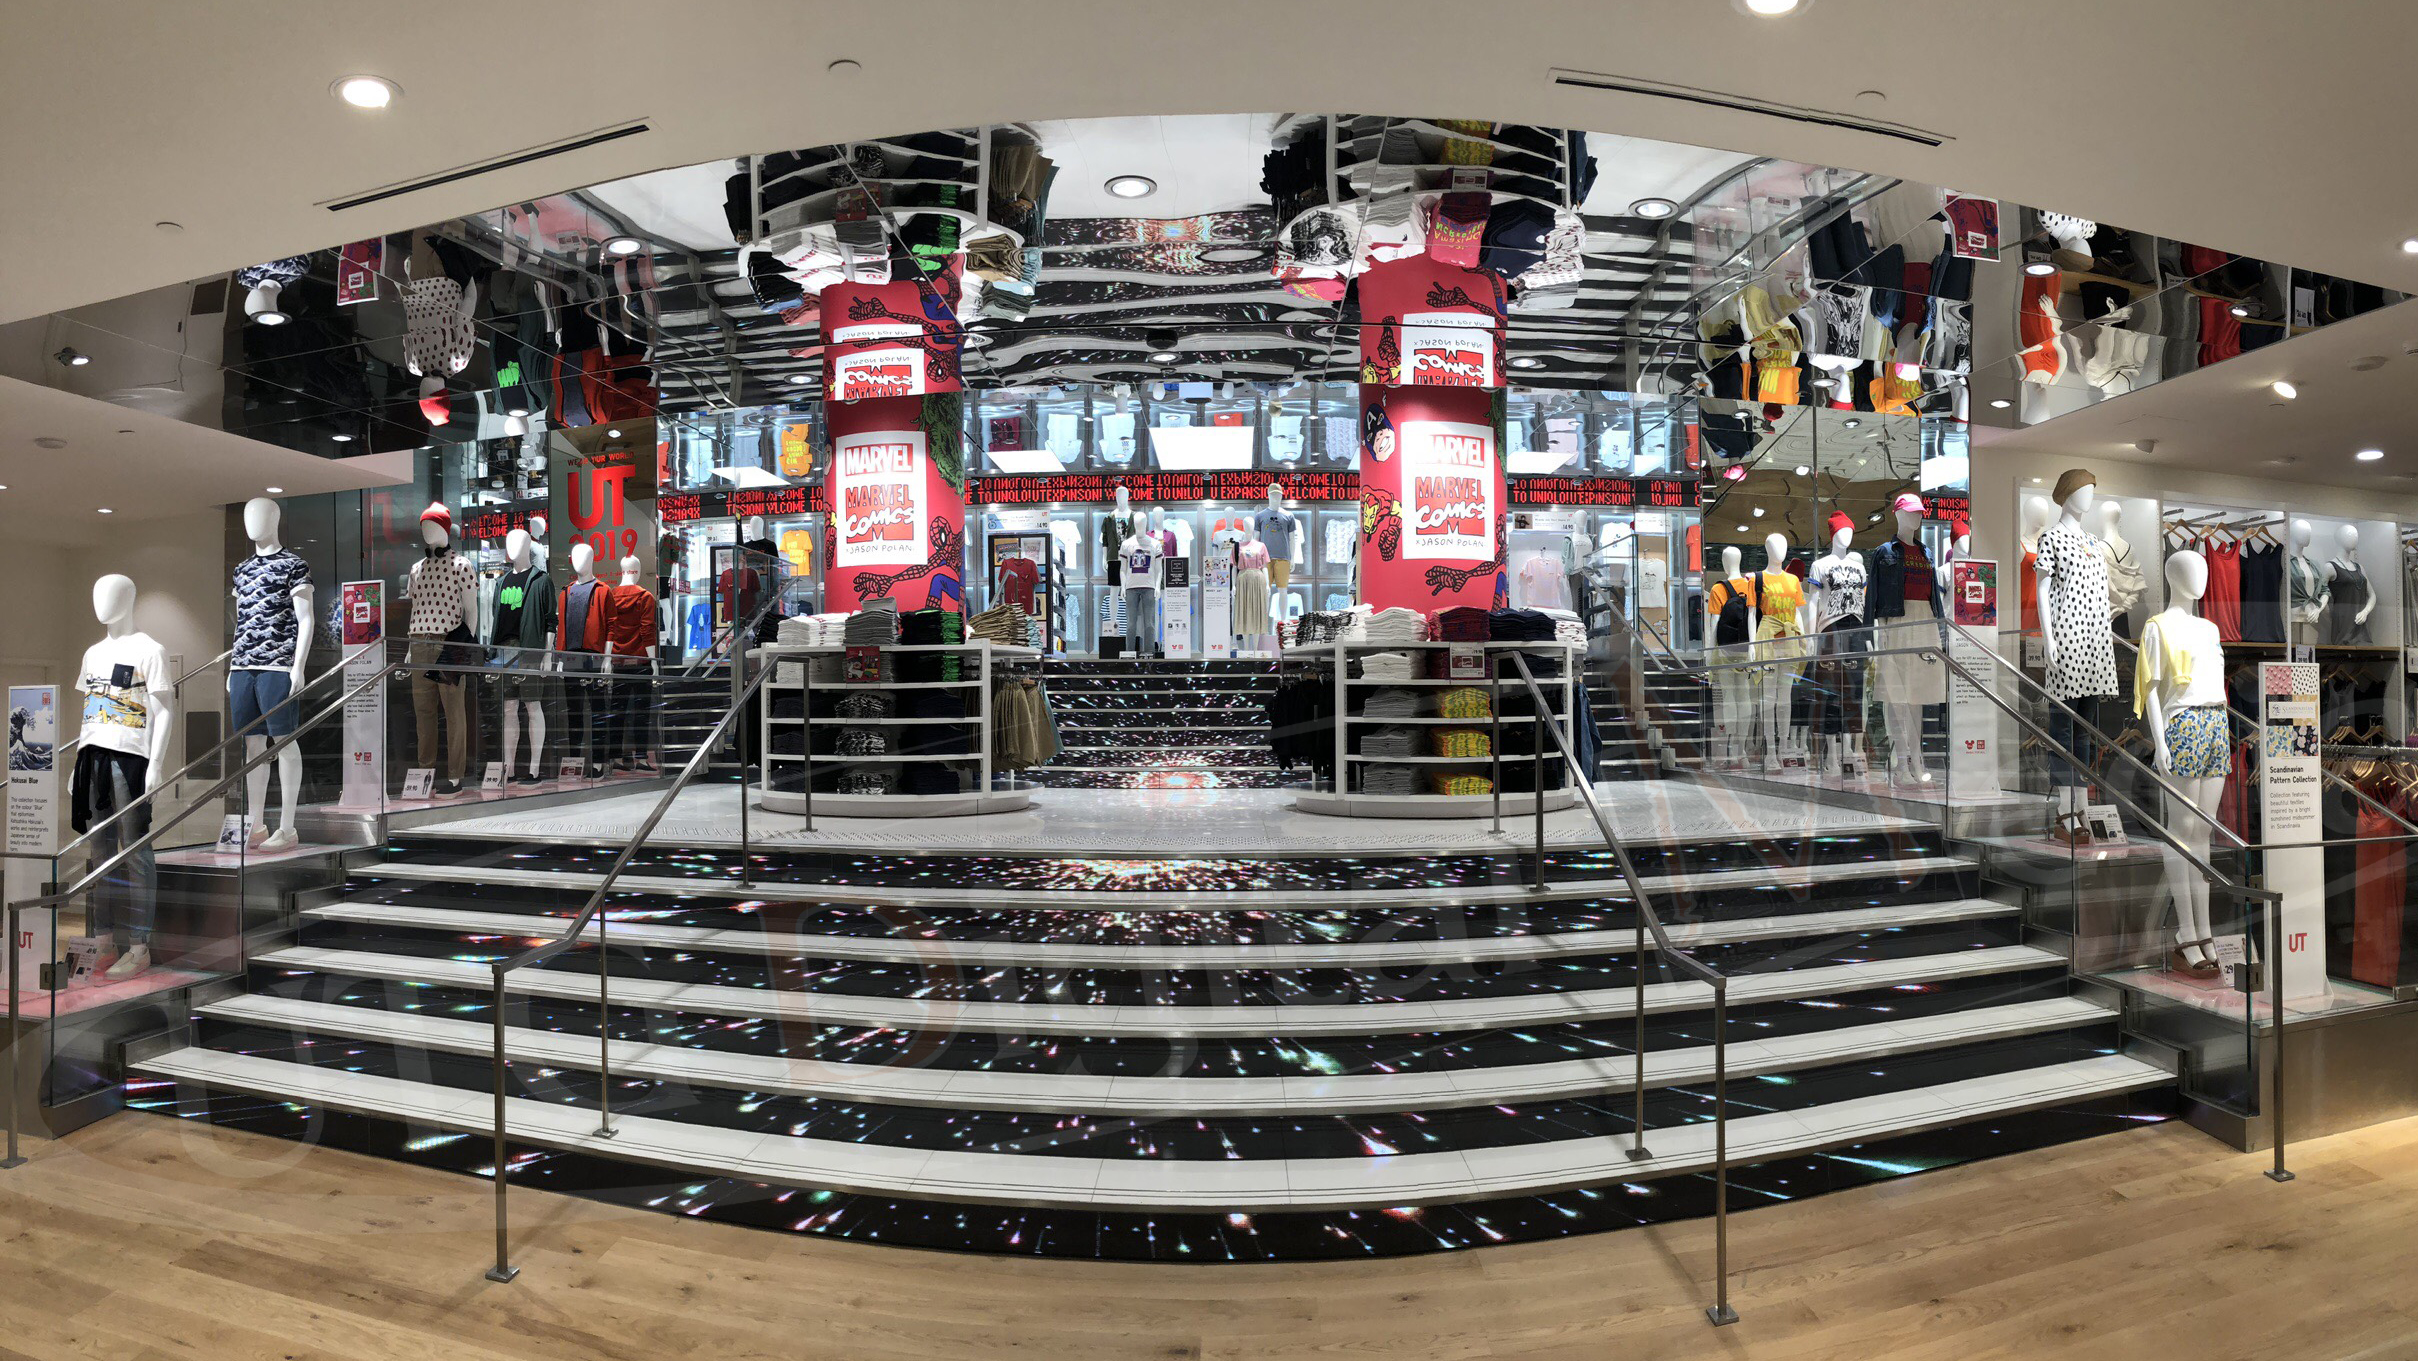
(129, 714)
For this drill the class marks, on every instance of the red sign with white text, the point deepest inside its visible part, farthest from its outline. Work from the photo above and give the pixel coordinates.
(897, 527)
(1431, 498)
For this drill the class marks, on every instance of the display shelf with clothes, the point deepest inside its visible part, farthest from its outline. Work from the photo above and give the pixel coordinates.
(920, 735)
(1401, 733)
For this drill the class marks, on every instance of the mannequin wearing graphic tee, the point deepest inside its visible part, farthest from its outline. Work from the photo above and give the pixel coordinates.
(1281, 532)
(1732, 604)
(632, 630)
(2074, 640)
(444, 592)
(129, 717)
(2309, 592)
(1839, 582)
(1142, 562)
(1782, 620)
(1904, 592)
(580, 629)
(522, 631)
(1115, 528)
(2179, 688)
(2351, 596)
(273, 625)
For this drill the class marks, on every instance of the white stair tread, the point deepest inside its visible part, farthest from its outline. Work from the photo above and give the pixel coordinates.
(1254, 1020)
(1165, 1096)
(1286, 955)
(1239, 1186)
(1657, 887)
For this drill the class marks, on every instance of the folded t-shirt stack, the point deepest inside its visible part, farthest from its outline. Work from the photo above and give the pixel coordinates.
(869, 782)
(1463, 624)
(1392, 704)
(1003, 625)
(1465, 743)
(1462, 785)
(876, 625)
(864, 704)
(1389, 742)
(1387, 779)
(1323, 628)
(1388, 666)
(1567, 627)
(931, 704)
(812, 630)
(1464, 702)
(930, 777)
(1519, 626)
(1396, 625)
(930, 628)
(864, 742)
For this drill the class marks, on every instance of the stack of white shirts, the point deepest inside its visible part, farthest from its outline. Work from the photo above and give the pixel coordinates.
(1389, 666)
(1397, 625)
(812, 630)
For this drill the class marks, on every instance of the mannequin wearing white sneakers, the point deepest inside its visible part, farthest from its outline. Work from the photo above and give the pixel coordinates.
(273, 629)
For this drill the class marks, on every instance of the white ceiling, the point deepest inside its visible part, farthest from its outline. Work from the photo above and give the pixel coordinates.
(1203, 164)
(142, 466)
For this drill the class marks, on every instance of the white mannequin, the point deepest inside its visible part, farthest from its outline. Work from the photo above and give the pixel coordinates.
(2301, 624)
(2346, 541)
(1734, 690)
(1293, 556)
(1839, 553)
(113, 606)
(2037, 515)
(583, 562)
(2122, 570)
(642, 747)
(1906, 720)
(520, 551)
(2186, 582)
(1140, 633)
(1778, 682)
(2073, 798)
(260, 524)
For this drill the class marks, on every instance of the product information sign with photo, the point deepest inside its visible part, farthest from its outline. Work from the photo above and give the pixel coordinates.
(2291, 809)
(361, 611)
(33, 787)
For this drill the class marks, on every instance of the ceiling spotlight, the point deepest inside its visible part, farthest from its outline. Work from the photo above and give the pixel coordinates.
(2240, 309)
(1163, 357)
(341, 438)
(1772, 9)
(1131, 186)
(614, 433)
(1526, 361)
(2284, 390)
(1852, 423)
(516, 411)
(516, 426)
(1758, 512)
(1653, 209)
(1826, 383)
(107, 511)
(2369, 455)
(261, 303)
(275, 491)
(801, 378)
(366, 92)
(2410, 247)
(2040, 269)
(1802, 470)
(1733, 472)
(2001, 403)
(623, 245)
(72, 357)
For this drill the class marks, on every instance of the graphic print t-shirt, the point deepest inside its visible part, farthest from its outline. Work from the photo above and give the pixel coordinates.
(1142, 561)
(265, 628)
(512, 600)
(1425, 323)
(117, 680)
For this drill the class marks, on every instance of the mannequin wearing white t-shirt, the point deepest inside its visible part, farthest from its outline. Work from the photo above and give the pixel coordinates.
(2161, 695)
(129, 717)
(1140, 556)
(261, 518)
(1281, 566)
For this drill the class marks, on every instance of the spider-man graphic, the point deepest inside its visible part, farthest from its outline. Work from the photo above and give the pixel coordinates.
(948, 547)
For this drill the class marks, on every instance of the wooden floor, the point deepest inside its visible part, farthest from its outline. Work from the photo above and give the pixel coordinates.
(145, 1237)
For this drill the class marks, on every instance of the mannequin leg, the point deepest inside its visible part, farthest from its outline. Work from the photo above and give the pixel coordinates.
(1906, 742)
(256, 790)
(537, 740)
(512, 733)
(2183, 883)
(289, 791)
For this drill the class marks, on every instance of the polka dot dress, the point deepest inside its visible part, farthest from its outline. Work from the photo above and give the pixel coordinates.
(2086, 653)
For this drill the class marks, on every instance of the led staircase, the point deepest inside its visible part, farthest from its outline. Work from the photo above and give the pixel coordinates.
(1176, 1059)
(1189, 724)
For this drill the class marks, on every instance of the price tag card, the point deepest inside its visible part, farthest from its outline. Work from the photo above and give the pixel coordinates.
(233, 831)
(419, 782)
(570, 769)
(494, 783)
(1467, 663)
(862, 664)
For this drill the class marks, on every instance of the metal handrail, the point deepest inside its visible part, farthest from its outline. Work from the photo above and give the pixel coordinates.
(591, 911)
(1648, 920)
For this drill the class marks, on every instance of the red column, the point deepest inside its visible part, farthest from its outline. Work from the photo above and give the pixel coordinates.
(897, 475)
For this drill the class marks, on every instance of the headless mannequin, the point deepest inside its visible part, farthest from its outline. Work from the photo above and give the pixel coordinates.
(113, 606)
(436, 537)
(1734, 688)
(636, 744)
(520, 551)
(2073, 797)
(2346, 558)
(1837, 747)
(1116, 542)
(1140, 553)
(2302, 622)
(1778, 682)
(1906, 720)
(583, 570)
(260, 525)
(1293, 558)
(2186, 582)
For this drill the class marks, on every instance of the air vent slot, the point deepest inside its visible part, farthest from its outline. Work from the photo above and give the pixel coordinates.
(1587, 80)
(505, 162)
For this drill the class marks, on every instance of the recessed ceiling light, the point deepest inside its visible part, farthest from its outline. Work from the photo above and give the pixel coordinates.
(1802, 470)
(1852, 423)
(366, 92)
(107, 511)
(2040, 269)
(623, 245)
(1772, 9)
(614, 433)
(272, 317)
(1527, 361)
(1163, 357)
(2284, 389)
(2240, 309)
(1653, 209)
(2001, 403)
(1758, 512)
(1826, 383)
(2369, 455)
(72, 357)
(2410, 247)
(341, 438)
(276, 491)
(1131, 186)
(1744, 530)
(801, 378)
(845, 66)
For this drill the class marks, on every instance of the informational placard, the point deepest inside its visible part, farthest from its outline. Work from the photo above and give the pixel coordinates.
(234, 833)
(1217, 603)
(1972, 226)
(1448, 479)
(878, 498)
(1972, 720)
(570, 770)
(357, 269)
(493, 781)
(2290, 789)
(877, 373)
(419, 782)
(33, 810)
(1175, 618)
(1447, 350)
(361, 608)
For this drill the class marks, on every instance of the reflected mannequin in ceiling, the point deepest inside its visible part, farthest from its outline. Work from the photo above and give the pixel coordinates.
(1143, 563)
(2351, 597)
(274, 622)
(129, 718)
(2179, 690)
(1839, 584)
(1115, 528)
(1781, 623)
(1730, 606)
(579, 624)
(2309, 589)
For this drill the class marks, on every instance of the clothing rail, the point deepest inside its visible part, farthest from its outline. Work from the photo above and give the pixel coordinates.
(592, 911)
(1648, 920)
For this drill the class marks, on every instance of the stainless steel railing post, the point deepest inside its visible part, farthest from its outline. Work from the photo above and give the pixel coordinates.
(1637, 1140)
(1536, 792)
(2275, 1014)
(503, 1271)
(16, 1042)
(604, 1027)
(1721, 1313)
